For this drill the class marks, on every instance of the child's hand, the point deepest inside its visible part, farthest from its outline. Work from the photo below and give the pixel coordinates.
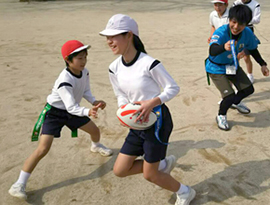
(209, 39)
(93, 111)
(227, 46)
(100, 103)
(241, 55)
(265, 70)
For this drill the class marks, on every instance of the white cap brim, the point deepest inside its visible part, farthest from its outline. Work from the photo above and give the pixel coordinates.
(112, 32)
(81, 48)
(216, 1)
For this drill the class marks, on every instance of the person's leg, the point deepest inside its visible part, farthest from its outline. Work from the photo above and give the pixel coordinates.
(164, 180)
(223, 84)
(43, 148)
(243, 94)
(185, 194)
(18, 188)
(245, 88)
(94, 132)
(126, 165)
(249, 68)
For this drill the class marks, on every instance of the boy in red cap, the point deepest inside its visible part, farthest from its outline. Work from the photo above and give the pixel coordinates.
(219, 16)
(63, 108)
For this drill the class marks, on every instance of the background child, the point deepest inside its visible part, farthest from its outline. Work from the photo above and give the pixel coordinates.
(224, 70)
(219, 16)
(136, 77)
(256, 18)
(63, 109)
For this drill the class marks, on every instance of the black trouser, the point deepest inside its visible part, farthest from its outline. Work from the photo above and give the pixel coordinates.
(227, 101)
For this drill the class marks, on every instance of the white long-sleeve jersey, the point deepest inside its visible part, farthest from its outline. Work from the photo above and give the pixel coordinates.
(68, 91)
(255, 8)
(217, 21)
(141, 79)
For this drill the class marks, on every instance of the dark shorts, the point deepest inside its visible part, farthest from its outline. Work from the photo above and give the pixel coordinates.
(56, 118)
(144, 142)
(224, 82)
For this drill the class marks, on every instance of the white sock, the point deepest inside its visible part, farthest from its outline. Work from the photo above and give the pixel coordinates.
(183, 189)
(23, 177)
(95, 144)
(162, 165)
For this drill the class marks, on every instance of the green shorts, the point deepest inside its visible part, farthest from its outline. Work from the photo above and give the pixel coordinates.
(224, 82)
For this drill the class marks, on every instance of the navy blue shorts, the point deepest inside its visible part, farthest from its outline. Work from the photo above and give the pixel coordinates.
(144, 142)
(56, 119)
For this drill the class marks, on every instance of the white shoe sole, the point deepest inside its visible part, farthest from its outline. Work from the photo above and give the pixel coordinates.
(17, 196)
(102, 153)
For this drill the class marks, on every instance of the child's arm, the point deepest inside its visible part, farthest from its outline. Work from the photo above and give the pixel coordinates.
(211, 33)
(256, 15)
(66, 95)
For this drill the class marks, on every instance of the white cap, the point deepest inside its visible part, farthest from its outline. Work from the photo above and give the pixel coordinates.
(120, 23)
(220, 1)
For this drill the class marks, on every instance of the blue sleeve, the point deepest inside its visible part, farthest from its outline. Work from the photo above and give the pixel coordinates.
(252, 40)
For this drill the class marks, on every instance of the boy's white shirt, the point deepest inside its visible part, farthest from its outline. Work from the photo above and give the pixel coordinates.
(69, 96)
(217, 21)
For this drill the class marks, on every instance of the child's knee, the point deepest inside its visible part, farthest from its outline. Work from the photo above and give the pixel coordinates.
(151, 176)
(119, 172)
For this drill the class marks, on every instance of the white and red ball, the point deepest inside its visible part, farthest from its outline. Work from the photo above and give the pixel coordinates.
(126, 117)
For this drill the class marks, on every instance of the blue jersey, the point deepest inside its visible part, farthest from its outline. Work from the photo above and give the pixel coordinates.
(217, 64)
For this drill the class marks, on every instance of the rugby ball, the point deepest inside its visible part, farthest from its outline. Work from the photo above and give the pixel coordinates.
(126, 117)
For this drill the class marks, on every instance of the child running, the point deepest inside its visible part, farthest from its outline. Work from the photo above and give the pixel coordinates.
(63, 108)
(226, 46)
(138, 78)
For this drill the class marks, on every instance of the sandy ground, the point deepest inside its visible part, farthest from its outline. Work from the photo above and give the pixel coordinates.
(223, 167)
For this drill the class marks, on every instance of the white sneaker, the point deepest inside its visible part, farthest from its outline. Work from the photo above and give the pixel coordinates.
(250, 77)
(170, 164)
(186, 198)
(101, 149)
(18, 190)
(222, 122)
(242, 108)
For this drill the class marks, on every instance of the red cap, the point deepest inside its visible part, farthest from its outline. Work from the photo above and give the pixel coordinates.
(220, 1)
(72, 46)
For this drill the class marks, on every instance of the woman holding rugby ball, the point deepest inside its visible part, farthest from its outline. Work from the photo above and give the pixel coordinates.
(136, 78)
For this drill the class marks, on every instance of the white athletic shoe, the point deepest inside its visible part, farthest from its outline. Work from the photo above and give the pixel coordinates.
(186, 198)
(222, 122)
(242, 108)
(250, 77)
(170, 164)
(101, 149)
(18, 190)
